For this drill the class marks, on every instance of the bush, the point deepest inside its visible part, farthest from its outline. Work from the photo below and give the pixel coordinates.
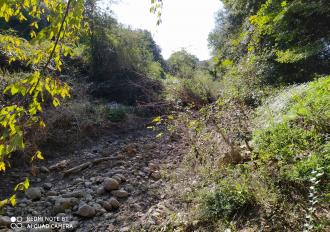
(286, 142)
(228, 199)
(298, 141)
(199, 90)
(312, 107)
(117, 112)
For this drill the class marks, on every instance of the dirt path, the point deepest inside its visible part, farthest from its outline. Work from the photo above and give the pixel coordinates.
(135, 201)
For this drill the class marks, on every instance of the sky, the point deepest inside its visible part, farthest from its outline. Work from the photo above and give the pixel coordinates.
(185, 23)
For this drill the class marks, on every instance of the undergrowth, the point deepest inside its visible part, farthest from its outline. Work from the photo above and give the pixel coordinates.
(268, 187)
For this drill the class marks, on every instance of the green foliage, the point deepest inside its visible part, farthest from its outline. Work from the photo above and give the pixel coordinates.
(313, 105)
(182, 64)
(198, 90)
(299, 141)
(285, 142)
(117, 113)
(114, 48)
(257, 33)
(44, 49)
(228, 199)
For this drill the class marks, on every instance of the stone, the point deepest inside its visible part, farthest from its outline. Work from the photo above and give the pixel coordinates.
(117, 178)
(88, 183)
(125, 229)
(153, 166)
(99, 179)
(120, 193)
(156, 175)
(122, 177)
(100, 191)
(77, 194)
(111, 227)
(47, 186)
(51, 193)
(63, 204)
(129, 188)
(110, 184)
(78, 180)
(73, 225)
(33, 193)
(114, 203)
(86, 211)
(107, 205)
(5, 221)
(131, 149)
(44, 169)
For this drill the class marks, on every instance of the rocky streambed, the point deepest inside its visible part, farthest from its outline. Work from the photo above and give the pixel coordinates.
(123, 191)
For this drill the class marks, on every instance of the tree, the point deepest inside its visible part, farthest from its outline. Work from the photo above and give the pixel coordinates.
(42, 52)
(182, 64)
(288, 41)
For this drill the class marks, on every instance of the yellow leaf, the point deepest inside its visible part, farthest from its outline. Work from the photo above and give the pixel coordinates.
(39, 155)
(157, 119)
(26, 183)
(3, 203)
(2, 166)
(159, 135)
(12, 200)
(56, 102)
(42, 124)
(170, 117)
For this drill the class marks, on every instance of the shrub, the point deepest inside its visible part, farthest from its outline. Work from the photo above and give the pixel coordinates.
(227, 200)
(298, 141)
(313, 105)
(199, 90)
(286, 142)
(117, 112)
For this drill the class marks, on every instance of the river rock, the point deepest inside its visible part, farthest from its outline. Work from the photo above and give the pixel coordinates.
(120, 193)
(121, 177)
(5, 221)
(63, 204)
(33, 193)
(156, 175)
(107, 205)
(47, 186)
(114, 203)
(44, 169)
(86, 211)
(76, 194)
(110, 184)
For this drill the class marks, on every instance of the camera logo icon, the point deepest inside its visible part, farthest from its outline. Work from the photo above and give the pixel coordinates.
(16, 222)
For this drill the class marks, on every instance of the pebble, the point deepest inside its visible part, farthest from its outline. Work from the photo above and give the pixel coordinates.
(86, 211)
(44, 169)
(107, 205)
(47, 186)
(110, 184)
(100, 191)
(117, 178)
(77, 194)
(74, 225)
(156, 175)
(120, 193)
(114, 203)
(33, 193)
(51, 193)
(63, 204)
(4, 221)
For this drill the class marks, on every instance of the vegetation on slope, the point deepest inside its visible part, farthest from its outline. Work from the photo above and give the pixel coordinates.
(252, 122)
